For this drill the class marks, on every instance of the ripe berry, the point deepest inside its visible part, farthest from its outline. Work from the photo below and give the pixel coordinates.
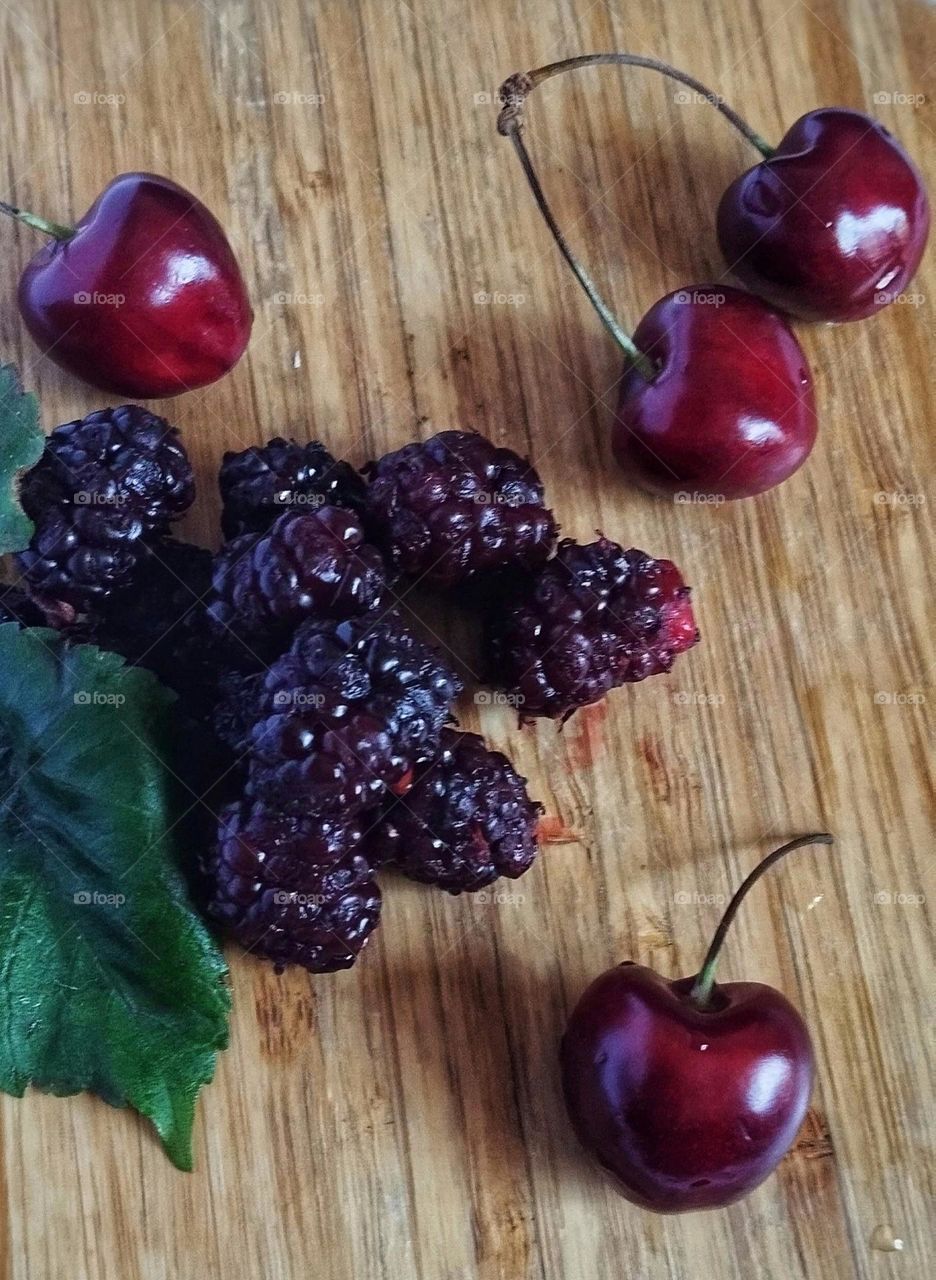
(293, 889)
(125, 458)
(103, 485)
(260, 483)
(348, 712)
(466, 820)
(593, 618)
(454, 506)
(308, 565)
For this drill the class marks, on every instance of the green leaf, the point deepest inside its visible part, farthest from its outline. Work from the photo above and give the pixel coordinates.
(21, 446)
(109, 981)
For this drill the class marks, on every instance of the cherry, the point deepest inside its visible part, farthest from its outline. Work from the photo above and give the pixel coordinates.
(686, 1092)
(143, 297)
(716, 399)
(729, 410)
(832, 224)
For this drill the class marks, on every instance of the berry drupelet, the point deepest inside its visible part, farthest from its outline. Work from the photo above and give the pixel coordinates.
(308, 564)
(347, 713)
(296, 890)
(104, 485)
(454, 506)
(466, 820)
(593, 618)
(260, 483)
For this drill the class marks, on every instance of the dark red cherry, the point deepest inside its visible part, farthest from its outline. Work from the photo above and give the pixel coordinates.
(728, 410)
(832, 225)
(687, 1108)
(143, 297)
(688, 1092)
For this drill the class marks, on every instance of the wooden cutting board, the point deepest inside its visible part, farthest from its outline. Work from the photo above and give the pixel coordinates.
(403, 1120)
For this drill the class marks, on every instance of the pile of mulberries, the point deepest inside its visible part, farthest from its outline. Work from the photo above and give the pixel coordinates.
(333, 718)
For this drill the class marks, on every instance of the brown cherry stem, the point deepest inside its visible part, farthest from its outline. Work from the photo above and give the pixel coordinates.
(513, 94)
(54, 229)
(701, 992)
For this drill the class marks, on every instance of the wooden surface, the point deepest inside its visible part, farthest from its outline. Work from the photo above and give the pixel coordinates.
(403, 1120)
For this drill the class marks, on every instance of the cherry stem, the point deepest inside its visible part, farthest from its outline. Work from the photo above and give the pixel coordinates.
(54, 229)
(631, 351)
(513, 94)
(530, 79)
(701, 992)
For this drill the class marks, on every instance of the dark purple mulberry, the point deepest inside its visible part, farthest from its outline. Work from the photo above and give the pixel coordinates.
(453, 506)
(260, 483)
(466, 820)
(593, 618)
(348, 712)
(296, 890)
(307, 565)
(104, 484)
(80, 554)
(126, 459)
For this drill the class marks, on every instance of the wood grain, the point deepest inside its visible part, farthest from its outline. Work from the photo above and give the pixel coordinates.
(403, 1120)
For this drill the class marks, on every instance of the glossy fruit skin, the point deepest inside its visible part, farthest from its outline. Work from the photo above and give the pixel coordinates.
(687, 1109)
(730, 412)
(833, 225)
(146, 299)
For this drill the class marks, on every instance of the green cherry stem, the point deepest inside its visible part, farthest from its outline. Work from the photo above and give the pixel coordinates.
(531, 79)
(513, 95)
(701, 992)
(54, 229)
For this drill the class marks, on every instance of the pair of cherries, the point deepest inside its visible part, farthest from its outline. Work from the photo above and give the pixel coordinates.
(717, 397)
